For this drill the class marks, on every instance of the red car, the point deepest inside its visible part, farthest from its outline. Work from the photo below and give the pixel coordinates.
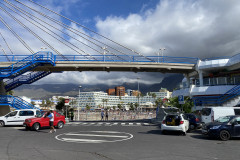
(41, 121)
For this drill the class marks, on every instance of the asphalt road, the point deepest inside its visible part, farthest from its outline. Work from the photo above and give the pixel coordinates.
(112, 141)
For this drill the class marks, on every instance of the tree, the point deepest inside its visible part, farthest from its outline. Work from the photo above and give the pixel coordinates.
(114, 108)
(33, 103)
(119, 106)
(88, 107)
(61, 104)
(136, 105)
(186, 107)
(158, 102)
(131, 106)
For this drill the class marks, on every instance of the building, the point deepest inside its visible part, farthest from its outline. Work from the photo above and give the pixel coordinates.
(120, 91)
(214, 83)
(97, 100)
(136, 93)
(163, 93)
(111, 91)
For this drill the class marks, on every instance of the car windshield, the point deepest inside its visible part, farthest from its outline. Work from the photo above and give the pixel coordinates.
(206, 111)
(171, 110)
(223, 119)
(40, 114)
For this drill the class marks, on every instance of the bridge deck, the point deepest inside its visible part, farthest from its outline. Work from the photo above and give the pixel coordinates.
(113, 66)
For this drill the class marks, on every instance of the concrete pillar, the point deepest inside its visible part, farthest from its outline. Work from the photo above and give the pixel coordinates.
(4, 109)
(200, 78)
(188, 80)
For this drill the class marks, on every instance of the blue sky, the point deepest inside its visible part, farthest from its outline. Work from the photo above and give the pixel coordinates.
(86, 11)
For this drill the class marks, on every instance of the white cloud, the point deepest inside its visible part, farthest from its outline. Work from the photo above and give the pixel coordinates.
(186, 28)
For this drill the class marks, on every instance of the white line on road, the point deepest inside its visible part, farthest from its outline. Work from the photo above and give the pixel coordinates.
(83, 140)
(96, 135)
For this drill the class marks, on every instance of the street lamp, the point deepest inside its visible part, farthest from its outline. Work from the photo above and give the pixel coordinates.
(138, 90)
(79, 102)
(161, 51)
(104, 52)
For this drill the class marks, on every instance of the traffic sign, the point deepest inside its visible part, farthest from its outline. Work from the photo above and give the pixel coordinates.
(181, 99)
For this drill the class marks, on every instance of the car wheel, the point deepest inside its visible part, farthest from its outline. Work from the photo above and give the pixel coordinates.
(36, 126)
(60, 125)
(191, 127)
(27, 128)
(163, 132)
(225, 135)
(2, 124)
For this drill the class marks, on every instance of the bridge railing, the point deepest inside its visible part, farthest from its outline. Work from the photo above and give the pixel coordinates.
(127, 58)
(42, 57)
(101, 58)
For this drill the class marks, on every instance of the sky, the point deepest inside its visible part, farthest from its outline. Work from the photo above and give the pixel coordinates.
(189, 28)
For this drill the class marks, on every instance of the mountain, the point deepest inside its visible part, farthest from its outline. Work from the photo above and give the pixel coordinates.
(48, 90)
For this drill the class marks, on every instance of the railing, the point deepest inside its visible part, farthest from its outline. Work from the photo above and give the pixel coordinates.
(37, 58)
(16, 102)
(25, 79)
(218, 100)
(103, 58)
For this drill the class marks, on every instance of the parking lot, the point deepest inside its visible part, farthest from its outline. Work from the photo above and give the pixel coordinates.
(112, 141)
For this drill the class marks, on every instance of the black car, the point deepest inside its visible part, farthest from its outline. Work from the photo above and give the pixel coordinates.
(223, 128)
(194, 121)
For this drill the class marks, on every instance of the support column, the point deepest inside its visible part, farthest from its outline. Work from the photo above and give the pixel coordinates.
(200, 78)
(188, 80)
(4, 109)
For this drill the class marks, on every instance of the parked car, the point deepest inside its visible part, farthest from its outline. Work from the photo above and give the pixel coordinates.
(175, 122)
(209, 114)
(42, 121)
(194, 121)
(162, 112)
(223, 128)
(18, 117)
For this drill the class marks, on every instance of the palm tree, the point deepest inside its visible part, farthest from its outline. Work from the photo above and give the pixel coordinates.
(154, 97)
(104, 100)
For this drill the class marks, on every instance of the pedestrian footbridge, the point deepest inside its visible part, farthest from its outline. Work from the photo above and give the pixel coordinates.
(16, 70)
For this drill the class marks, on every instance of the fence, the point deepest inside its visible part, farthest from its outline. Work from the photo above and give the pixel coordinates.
(113, 115)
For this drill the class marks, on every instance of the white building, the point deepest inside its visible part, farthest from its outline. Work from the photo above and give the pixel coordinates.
(214, 83)
(95, 100)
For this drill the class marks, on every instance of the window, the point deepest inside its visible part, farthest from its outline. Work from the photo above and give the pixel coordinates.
(237, 111)
(12, 114)
(26, 113)
(237, 120)
(206, 111)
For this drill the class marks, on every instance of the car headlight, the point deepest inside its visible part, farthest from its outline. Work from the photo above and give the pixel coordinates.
(215, 127)
(29, 121)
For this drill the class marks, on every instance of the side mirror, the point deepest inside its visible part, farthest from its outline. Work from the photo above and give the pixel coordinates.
(235, 123)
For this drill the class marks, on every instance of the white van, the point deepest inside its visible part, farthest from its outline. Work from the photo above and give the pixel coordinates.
(18, 117)
(209, 114)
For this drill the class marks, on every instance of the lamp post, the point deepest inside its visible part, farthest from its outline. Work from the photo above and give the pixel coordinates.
(79, 102)
(138, 90)
(161, 51)
(104, 52)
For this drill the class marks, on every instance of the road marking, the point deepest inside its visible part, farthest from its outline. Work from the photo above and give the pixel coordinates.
(107, 124)
(82, 140)
(94, 137)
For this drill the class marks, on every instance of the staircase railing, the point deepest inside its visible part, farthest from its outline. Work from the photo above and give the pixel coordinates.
(218, 100)
(15, 102)
(27, 64)
(25, 79)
